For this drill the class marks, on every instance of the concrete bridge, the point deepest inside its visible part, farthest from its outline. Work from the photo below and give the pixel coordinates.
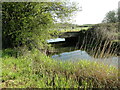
(74, 36)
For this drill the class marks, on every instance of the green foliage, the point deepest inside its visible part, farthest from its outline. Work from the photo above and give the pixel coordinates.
(112, 16)
(35, 70)
(118, 14)
(9, 53)
(25, 23)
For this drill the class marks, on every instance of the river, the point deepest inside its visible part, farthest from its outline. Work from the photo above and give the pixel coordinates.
(76, 55)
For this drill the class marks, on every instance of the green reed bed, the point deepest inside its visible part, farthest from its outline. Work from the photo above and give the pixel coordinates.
(36, 70)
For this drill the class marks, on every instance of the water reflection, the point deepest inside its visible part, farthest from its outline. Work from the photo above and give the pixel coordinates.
(83, 55)
(67, 51)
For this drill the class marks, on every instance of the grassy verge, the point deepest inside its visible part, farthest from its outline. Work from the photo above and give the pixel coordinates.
(36, 70)
(74, 30)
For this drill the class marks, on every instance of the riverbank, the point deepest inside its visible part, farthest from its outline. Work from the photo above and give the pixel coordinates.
(97, 38)
(36, 70)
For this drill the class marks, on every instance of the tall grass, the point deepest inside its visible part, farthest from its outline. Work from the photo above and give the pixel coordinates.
(100, 40)
(36, 70)
(33, 69)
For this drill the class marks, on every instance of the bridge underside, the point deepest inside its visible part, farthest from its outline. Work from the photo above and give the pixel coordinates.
(73, 37)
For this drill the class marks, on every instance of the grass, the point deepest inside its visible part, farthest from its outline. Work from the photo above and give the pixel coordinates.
(75, 29)
(36, 70)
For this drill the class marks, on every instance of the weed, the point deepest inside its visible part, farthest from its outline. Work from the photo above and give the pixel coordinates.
(39, 71)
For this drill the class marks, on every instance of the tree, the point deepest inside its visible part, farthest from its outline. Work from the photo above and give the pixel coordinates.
(118, 14)
(110, 17)
(24, 23)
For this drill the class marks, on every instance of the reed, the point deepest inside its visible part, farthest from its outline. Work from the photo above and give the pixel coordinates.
(33, 69)
(99, 40)
(36, 70)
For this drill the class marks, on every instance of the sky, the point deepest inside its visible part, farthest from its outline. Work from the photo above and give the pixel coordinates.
(94, 11)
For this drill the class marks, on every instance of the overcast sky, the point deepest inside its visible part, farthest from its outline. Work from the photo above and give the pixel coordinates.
(93, 11)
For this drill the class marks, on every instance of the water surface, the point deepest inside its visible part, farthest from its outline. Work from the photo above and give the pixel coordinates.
(76, 55)
(83, 55)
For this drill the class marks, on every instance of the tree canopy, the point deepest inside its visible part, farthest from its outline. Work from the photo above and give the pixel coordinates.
(26, 22)
(112, 16)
